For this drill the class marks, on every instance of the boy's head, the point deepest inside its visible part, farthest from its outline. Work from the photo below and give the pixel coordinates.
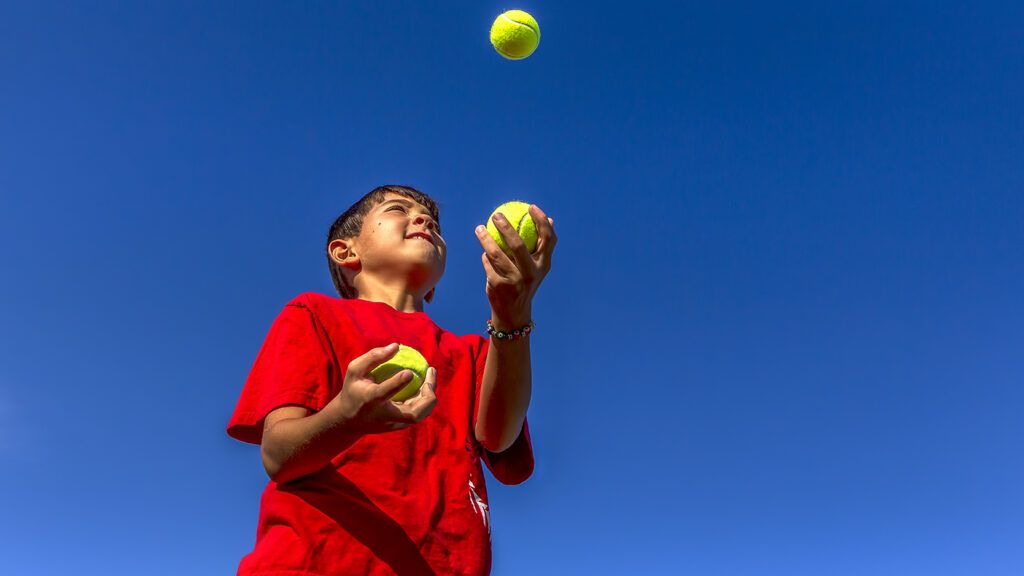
(382, 238)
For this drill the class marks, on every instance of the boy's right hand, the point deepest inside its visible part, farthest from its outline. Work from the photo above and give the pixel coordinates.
(366, 406)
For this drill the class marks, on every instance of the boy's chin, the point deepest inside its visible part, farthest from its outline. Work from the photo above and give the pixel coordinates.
(427, 254)
(428, 270)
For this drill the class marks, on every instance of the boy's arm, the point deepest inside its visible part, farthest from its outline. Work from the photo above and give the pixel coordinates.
(505, 390)
(513, 278)
(295, 444)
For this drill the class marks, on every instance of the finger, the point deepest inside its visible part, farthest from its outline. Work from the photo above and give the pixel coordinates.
(391, 386)
(426, 389)
(499, 260)
(424, 408)
(496, 278)
(362, 365)
(431, 383)
(421, 405)
(546, 240)
(520, 256)
(544, 224)
(493, 277)
(542, 257)
(419, 409)
(546, 237)
(503, 268)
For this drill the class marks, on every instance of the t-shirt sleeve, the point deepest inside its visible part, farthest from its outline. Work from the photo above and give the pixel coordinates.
(515, 464)
(293, 367)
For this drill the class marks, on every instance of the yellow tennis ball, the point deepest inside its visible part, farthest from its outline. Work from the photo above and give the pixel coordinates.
(518, 215)
(407, 358)
(515, 34)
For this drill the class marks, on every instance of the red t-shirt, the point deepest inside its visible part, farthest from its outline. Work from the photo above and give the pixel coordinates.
(409, 502)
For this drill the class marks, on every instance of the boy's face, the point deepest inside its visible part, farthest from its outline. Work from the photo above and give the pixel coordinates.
(401, 238)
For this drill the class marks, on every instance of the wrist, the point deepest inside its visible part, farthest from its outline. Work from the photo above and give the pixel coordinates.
(511, 320)
(507, 334)
(338, 416)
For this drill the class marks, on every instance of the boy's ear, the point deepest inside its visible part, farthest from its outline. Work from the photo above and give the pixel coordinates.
(430, 295)
(343, 253)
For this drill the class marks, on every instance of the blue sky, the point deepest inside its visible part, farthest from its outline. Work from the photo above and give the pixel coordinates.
(782, 334)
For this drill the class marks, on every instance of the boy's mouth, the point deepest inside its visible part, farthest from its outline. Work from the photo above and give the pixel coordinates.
(423, 235)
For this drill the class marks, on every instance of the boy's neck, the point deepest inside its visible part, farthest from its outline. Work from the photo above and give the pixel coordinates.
(399, 299)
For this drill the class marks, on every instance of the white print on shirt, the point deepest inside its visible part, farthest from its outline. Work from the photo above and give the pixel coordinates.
(479, 506)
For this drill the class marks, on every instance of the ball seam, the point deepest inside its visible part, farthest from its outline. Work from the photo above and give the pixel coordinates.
(532, 29)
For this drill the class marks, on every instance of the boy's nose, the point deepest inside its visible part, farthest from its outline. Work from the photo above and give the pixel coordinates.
(431, 225)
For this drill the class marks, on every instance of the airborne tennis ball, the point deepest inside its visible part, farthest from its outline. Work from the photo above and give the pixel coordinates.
(515, 34)
(407, 358)
(518, 215)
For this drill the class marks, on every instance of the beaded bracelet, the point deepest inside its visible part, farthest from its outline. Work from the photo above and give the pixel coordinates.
(516, 334)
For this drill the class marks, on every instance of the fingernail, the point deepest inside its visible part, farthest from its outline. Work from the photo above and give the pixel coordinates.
(480, 229)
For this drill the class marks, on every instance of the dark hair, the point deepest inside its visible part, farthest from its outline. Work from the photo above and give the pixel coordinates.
(350, 224)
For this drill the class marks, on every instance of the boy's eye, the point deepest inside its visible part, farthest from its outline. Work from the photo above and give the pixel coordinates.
(402, 208)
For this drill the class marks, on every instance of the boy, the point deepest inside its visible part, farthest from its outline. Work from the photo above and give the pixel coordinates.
(360, 484)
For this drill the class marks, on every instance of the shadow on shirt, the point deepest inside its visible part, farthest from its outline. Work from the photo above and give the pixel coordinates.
(355, 513)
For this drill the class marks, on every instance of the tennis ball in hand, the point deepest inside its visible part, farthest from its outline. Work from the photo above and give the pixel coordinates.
(515, 34)
(406, 358)
(518, 215)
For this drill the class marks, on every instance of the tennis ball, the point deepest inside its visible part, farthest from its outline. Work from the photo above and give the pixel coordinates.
(406, 358)
(518, 215)
(515, 34)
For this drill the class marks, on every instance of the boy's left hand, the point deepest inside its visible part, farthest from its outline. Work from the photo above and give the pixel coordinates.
(513, 280)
